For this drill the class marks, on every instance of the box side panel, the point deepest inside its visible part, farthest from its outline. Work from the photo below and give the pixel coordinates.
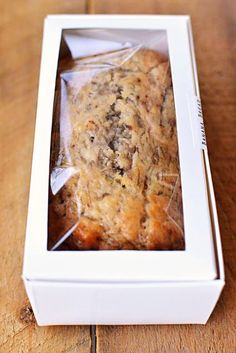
(29, 286)
(215, 220)
(35, 241)
(212, 202)
(154, 303)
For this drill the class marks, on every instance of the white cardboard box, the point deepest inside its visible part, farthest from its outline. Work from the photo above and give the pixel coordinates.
(127, 287)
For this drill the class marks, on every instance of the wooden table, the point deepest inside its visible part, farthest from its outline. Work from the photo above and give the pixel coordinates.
(214, 28)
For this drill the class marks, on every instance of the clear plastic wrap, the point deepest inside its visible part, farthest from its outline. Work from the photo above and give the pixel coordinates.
(114, 169)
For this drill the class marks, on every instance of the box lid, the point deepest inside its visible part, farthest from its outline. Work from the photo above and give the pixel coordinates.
(198, 260)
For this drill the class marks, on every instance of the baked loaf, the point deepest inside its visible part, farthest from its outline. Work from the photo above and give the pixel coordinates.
(118, 131)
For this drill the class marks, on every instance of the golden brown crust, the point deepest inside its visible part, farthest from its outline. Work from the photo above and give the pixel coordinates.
(119, 133)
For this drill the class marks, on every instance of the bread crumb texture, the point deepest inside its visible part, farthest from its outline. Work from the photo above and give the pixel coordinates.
(117, 128)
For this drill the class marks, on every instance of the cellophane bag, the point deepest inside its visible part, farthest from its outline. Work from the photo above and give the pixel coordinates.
(115, 179)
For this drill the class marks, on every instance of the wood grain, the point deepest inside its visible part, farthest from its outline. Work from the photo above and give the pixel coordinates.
(20, 46)
(214, 30)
